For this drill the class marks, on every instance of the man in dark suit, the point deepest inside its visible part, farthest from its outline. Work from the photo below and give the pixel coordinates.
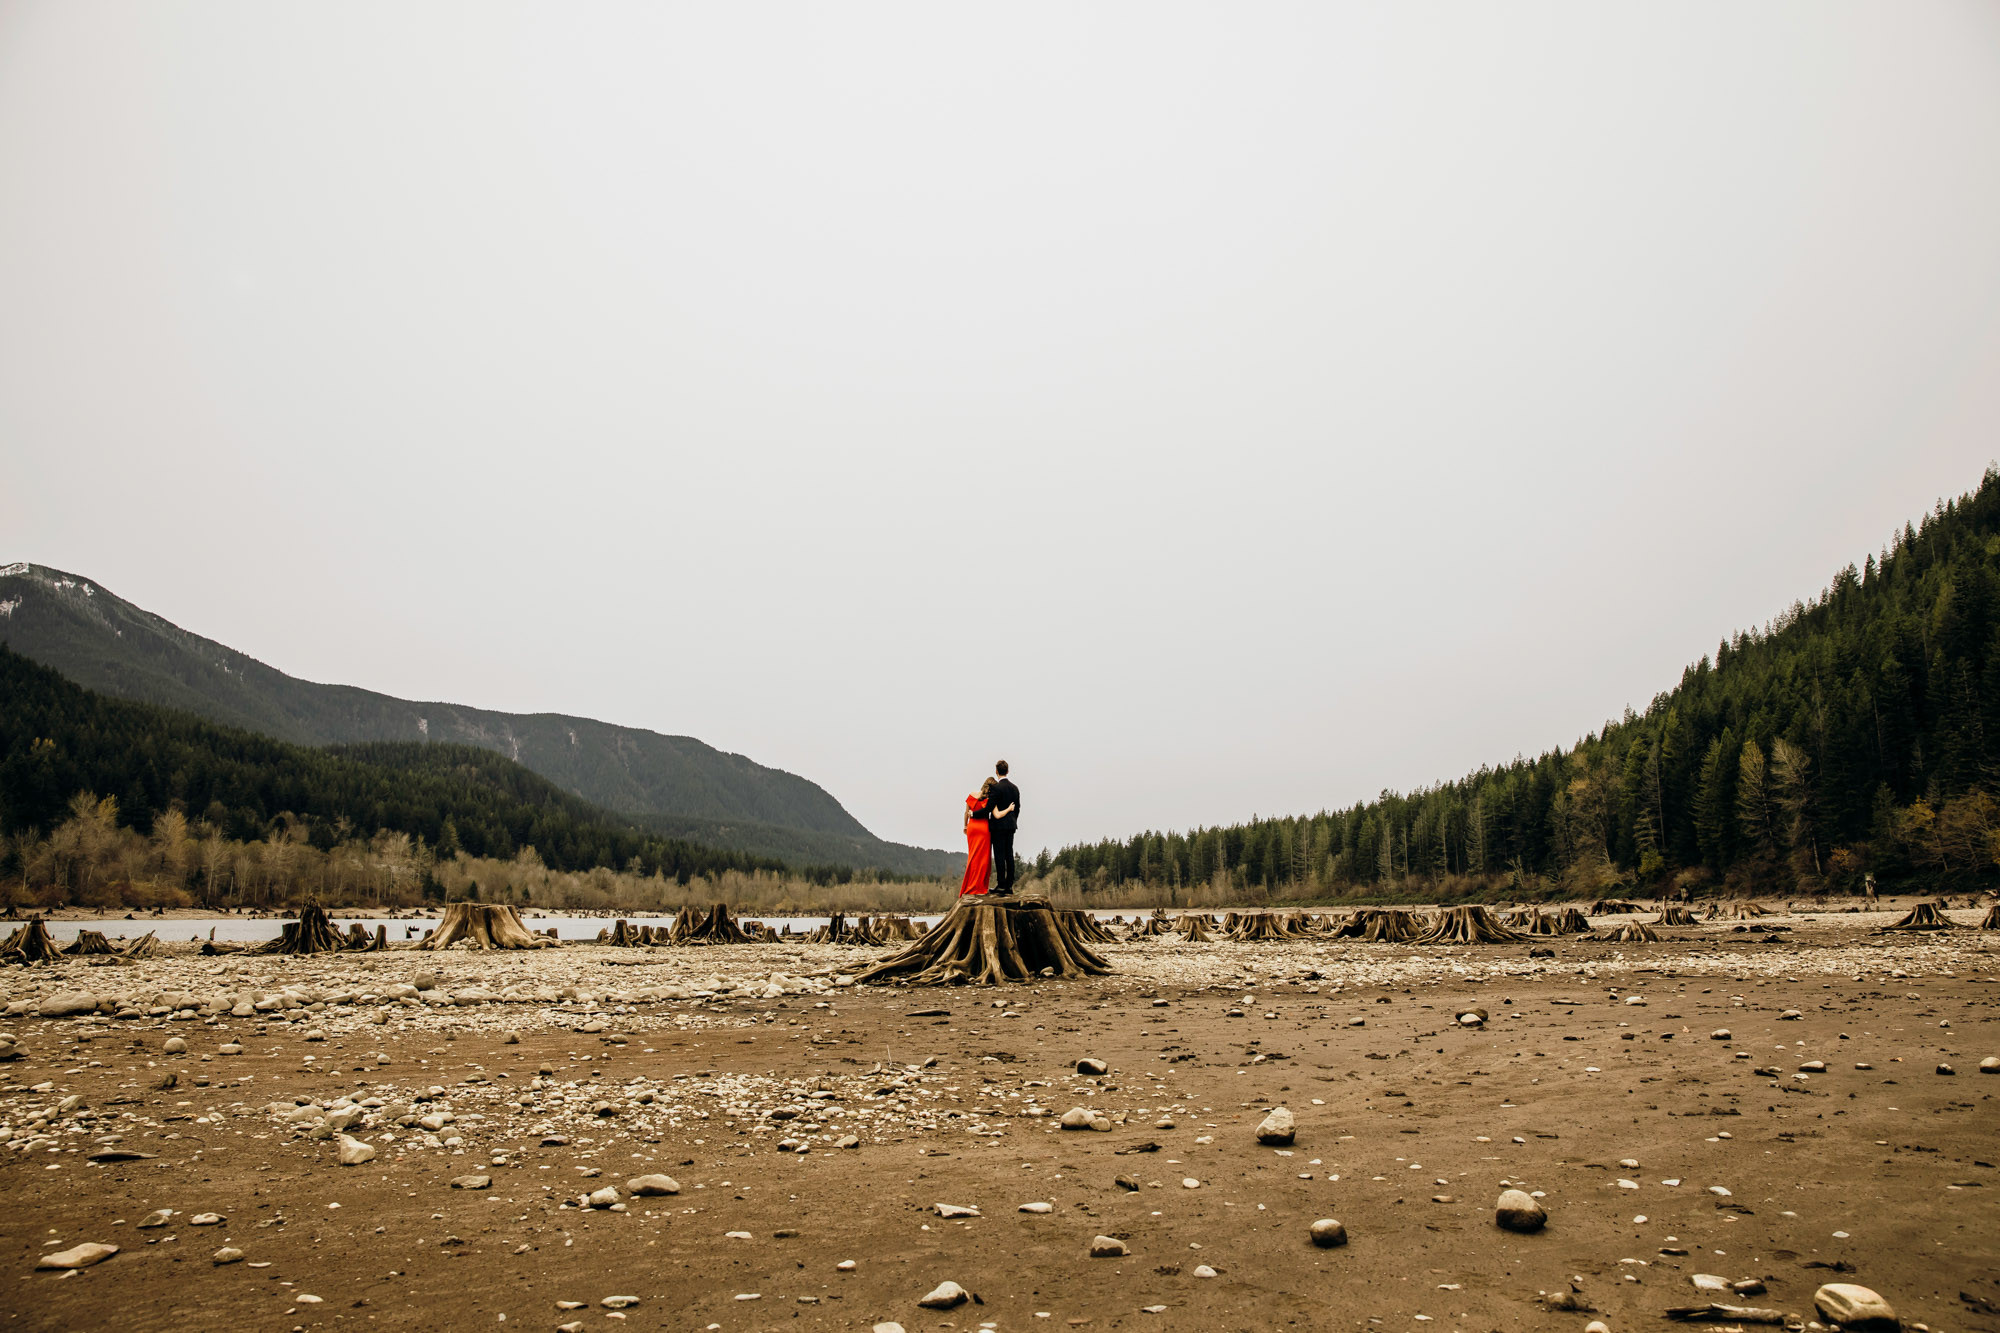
(1004, 807)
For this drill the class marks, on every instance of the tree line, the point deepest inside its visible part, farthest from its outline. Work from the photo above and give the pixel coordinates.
(135, 765)
(1854, 736)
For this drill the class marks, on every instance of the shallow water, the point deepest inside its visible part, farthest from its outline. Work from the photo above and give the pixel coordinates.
(248, 930)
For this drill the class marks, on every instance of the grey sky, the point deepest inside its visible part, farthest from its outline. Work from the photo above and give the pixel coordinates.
(1214, 409)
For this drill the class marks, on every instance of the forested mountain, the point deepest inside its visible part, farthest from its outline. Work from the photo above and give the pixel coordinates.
(676, 785)
(58, 739)
(1858, 734)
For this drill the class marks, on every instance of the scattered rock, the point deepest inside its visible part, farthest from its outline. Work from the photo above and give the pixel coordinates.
(945, 1296)
(471, 1182)
(1277, 1128)
(1108, 1247)
(1190, 1183)
(78, 1256)
(175, 1046)
(647, 1187)
(157, 1218)
(1720, 1034)
(228, 1254)
(604, 1198)
(1519, 1211)
(955, 1210)
(205, 1220)
(1037, 1208)
(1328, 1234)
(1946, 1069)
(1990, 1065)
(887, 1326)
(1203, 1270)
(1853, 1306)
(619, 1302)
(1092, 1067)
(353, 1152)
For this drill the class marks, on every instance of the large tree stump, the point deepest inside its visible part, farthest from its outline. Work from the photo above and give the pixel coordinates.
(1676, 916)
(1614, 907)
(32, 943)
(1991, 921)
(1193, 928)
(716, 926)
(483, 926)
(1924, 916)
(1633, 932)
(1471, 923)
(1254, 926)
(358, 940)
(839, 930)
(1739, 911)
(986, 943)
(1087, 927)
(1384, 925)
(311, 933)
(626, 936)
(90, 942)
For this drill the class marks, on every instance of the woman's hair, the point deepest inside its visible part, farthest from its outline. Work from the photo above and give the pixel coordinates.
(986, 789)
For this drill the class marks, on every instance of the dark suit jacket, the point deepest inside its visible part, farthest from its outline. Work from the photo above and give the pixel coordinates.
(1005, 793)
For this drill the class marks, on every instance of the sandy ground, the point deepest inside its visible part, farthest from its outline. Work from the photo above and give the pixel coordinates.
(1596, 1081)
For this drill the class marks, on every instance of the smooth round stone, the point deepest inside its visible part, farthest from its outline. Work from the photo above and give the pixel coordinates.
(1946, 1069)
(1328, 1233)
(1519, 1211)
(1990, 1065)
(1853, 1306)
(1108, 1247)
(228, 1254)
(175, 1046)
(653, 1185)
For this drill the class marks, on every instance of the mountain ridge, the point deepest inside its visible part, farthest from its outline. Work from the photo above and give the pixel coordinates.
(677, 785)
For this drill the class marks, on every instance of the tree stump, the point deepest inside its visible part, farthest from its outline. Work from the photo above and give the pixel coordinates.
(32, 943)
(1737, 912)
(625, 936)
(1384, 925)
(1255, 926)
(1194, 929)
(986, 943)
(716, 926)
(1676, 916)
(1472, 923)
(839, 930)
(1924, 916)
(1614, 907)
(1633, 932)
(311, 933)
(483, 926)
(90, 942)
(1087, 927)
(1991, 921)
(358, 940)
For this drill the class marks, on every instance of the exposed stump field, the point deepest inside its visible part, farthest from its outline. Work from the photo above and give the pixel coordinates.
(713, 1132)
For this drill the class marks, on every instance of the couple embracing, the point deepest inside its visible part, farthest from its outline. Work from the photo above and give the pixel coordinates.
(991, 814)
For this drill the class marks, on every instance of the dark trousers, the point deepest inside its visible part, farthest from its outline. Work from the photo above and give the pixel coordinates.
(1003, 857)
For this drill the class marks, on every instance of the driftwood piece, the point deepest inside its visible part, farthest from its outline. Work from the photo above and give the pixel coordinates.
(715, 926)
(143, 947)
(1924, 916)
(1470, 923)
(1633, 932)
(988, 943)
(483, 926)
(32, 943)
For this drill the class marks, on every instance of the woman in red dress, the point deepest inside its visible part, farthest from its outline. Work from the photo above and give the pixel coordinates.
(978, 842)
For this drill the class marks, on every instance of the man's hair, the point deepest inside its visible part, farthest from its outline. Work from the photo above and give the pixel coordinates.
(1001, 768)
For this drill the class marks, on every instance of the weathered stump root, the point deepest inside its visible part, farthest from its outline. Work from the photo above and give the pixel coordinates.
(716, 926)
(1193, 928)
(1924, 916)
(1472, 923)
(985, 944)
(483, 926)
(1677, 916)
(90, 942)
(32, 943)
(1633, 932)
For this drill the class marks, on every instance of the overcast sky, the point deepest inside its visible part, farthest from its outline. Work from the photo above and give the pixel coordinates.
(1216, 410)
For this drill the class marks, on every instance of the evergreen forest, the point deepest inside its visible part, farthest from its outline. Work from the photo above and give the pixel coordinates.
(1855, 739)
(63, 748)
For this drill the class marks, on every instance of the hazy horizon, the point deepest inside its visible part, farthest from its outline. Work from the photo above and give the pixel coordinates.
(1213, 412)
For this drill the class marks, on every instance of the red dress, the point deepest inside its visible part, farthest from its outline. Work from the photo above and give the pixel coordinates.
(978, 848)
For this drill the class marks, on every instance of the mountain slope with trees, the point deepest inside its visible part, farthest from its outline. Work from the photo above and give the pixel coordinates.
(142, 764)
(676, 785)
(1856, 735)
